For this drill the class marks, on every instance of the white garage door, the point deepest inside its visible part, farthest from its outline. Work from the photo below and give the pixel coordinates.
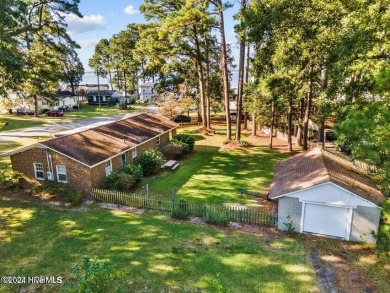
(327, 220)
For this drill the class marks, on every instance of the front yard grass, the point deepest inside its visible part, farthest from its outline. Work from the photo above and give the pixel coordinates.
(13, 122)
(213, 173)
(146, 251)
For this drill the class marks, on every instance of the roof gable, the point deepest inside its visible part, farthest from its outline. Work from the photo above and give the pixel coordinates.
(314, 167)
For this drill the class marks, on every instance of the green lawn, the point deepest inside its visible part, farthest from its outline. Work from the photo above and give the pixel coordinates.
(147, 251)
(213, 174)
(13, 122)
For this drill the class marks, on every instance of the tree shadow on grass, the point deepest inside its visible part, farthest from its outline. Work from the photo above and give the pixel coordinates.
(152, 252)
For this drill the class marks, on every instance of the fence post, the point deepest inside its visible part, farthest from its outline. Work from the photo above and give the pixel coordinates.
(173, 199)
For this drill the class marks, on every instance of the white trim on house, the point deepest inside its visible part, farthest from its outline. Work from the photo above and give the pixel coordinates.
(108, 168)
(43, 146)
(39, 170)
(296, 195)
(134, 153)
(61, 170)
(26, 148)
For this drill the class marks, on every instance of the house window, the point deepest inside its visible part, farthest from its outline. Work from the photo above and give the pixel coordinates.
(94, 98)
(158, 140)
(108, 167)
(38, 170)
(124, 159)
(134, 153)
(104, 98)
(61, 174)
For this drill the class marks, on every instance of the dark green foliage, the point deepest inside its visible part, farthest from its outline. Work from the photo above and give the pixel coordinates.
(66, 194)
(188, 139)
(111, 180)
(217, 217)
(174, 149)
(10, 179)
(119, 181)
(150, 162)
(125, 182)
(93, 276)
(134, 170)
(181, 211)
(382, 247)
(179, 214)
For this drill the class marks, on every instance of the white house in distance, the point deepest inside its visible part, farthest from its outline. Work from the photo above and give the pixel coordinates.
(146, 91)
(321, 192)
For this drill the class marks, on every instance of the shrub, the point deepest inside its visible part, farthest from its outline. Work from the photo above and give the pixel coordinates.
(179, 214)
(150, 162)
(134, 170)
(172, 151)
(10, 179)
(125, 182)
(93, 276)
(217, 217)
(111, 180)
(382, 247)
(75, 198)
(188, 139)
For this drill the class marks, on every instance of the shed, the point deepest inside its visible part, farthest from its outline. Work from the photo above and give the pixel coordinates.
(320, 192)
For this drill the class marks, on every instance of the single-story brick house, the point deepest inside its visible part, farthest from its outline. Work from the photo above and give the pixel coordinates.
(320, 192)
(83, 160)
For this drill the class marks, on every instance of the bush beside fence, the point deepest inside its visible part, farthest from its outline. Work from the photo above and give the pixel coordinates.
(232, 214)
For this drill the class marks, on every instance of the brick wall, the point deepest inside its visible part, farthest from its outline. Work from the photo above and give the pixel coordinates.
(79, 177)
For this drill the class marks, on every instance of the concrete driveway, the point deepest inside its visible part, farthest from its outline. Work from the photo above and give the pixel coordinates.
(27, 136)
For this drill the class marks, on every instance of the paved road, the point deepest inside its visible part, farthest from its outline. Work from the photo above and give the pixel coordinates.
(30, 135)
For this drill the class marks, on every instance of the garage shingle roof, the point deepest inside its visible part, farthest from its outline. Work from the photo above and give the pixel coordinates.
(103, 142)
(319, 166)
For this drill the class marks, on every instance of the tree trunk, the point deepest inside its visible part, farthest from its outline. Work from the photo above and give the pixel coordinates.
(98, 89)
(321, 130)
(307, 110)
(207, 90)
(253, 125)
(125, 88)
(199, 69)
(289, 124)
(300, 121)
(240, 81)
(246, 114)
(225, 71)
(36, 110)
(271, 134)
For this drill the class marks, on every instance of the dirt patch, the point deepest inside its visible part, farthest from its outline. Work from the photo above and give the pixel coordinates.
(119, 207)
(324, 273)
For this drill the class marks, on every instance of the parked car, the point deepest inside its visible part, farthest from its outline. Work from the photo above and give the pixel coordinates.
(22, 111)
(55, 113)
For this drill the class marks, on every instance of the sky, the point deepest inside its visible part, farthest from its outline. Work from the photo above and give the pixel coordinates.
(104, 18)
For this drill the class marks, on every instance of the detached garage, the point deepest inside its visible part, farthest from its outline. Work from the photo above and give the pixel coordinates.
(321, 192)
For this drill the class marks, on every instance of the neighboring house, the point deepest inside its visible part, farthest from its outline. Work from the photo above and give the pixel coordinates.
(120, 97)
(105, 97)
(65, 99)
(83, 160)
(320, 192)
(147, 91)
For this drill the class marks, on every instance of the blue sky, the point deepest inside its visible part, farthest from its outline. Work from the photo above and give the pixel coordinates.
(104, 18)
